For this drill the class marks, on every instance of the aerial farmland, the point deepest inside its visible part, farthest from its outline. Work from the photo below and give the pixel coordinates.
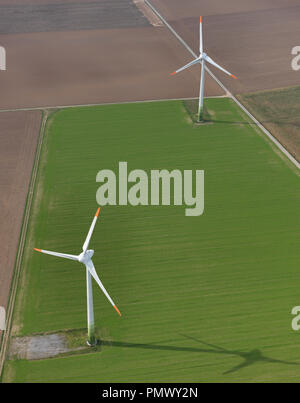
(203, 297)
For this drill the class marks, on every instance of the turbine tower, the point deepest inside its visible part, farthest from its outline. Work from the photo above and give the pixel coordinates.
(85, 257)
(202, 59)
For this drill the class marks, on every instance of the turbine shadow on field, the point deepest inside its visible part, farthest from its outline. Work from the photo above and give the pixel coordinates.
(249, 357)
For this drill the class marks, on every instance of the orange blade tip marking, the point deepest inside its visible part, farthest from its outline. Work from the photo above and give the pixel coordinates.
(39, 250)
(98, 211)
(117, 310)
(172, 74)
(201, 19)
(233, 76)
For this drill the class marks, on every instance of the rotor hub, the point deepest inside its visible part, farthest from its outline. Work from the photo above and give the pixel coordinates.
(84, 257)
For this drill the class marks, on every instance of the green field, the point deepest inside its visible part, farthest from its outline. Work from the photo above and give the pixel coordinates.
(205, 298)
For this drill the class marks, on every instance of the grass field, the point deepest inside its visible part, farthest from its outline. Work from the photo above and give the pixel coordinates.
(203, 298)
(278, 110)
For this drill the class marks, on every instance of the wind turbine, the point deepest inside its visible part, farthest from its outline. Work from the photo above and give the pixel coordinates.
(85, 257)
(203, 58)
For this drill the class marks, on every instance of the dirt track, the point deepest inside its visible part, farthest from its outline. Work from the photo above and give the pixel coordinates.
(18, 139)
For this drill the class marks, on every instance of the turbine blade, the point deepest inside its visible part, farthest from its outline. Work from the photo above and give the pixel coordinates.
(186, 66)
(64, 255)
(201, 37)
(91, 268)
(210, 60)
(90, 233)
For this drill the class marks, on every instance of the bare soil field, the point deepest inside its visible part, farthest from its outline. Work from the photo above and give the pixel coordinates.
(252, 39)
(89, 52)
(174, 9)
(18, 138)
(95, 66)
(70, 16)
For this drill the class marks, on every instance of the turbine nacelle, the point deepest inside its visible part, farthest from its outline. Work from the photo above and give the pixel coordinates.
(86, 256)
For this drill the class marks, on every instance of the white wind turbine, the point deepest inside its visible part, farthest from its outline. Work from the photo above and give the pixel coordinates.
(203, 58)
(85, 257)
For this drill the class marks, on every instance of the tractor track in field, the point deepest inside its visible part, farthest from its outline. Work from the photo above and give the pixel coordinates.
(227, 92)
(22, 239)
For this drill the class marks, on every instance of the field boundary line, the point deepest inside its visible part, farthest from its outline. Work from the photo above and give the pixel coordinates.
(228, 93)
(22, 239)
(42, 108)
